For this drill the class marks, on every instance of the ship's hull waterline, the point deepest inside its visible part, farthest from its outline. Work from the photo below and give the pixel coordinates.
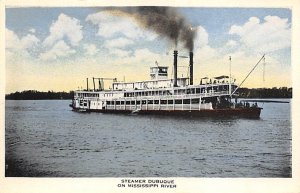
(234, 112)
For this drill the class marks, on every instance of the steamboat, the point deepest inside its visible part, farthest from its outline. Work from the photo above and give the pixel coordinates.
(214, 97)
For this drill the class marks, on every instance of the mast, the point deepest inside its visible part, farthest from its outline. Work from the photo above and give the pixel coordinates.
(230, 75)
(94, 83)
(87, 84)
(264, 68)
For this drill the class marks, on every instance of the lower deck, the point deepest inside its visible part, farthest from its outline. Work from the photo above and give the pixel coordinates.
(150, 104)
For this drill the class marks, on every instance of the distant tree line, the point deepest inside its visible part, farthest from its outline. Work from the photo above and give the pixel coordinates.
(37, 95)
(282, 92)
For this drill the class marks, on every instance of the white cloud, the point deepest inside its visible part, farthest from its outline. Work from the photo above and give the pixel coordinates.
(59, 50)
(29, 41)
(109, 26)
(202, 50)
(145, 53)
(118, 43)
(231, 43)
(201, 39)
(90, 49)
(18, 49)
(119, 52)
(12, 41)
(272, 34)
(64, 27)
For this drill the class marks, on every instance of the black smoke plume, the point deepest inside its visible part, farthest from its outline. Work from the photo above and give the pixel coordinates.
(165, 21)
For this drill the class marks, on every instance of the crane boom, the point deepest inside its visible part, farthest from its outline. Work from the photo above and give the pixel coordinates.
(248, 75)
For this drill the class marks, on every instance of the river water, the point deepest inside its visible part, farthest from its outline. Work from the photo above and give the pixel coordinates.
(46, 139)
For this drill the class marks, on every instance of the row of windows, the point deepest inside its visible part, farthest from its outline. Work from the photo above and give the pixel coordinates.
(88, 95)
(180, 91)
(163, 102)
(164, 92)
(147, 93)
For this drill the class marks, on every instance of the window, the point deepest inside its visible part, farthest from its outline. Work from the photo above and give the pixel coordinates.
(170, 101)
(186, 101)
(195, 101)
(178, 101)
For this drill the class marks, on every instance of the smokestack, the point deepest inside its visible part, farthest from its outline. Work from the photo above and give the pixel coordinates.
(175, 68)
(191, 68)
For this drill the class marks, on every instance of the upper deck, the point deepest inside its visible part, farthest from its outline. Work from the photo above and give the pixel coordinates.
(200, 90)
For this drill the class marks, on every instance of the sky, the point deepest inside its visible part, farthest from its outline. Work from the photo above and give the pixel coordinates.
(58, 48)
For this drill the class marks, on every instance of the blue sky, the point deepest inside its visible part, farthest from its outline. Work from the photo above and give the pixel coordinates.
(56, 48)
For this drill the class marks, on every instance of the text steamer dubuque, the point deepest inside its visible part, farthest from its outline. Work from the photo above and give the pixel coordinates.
(163, 96)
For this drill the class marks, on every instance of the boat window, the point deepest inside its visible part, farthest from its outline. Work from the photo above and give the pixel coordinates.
(186, 101)
(127, 102)
(170, 101)
(163, 102)
(195, 101)
(178, 101)
(132, 102)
